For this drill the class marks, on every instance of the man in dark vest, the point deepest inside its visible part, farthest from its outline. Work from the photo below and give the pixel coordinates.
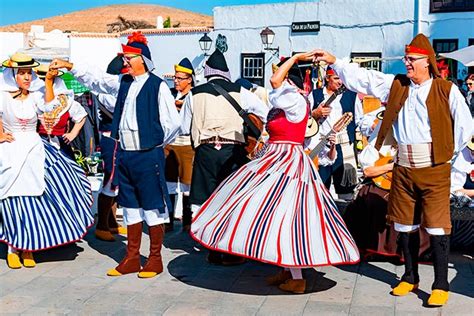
(145, 119)
(430, 122)
(343, 171)
(217, 133)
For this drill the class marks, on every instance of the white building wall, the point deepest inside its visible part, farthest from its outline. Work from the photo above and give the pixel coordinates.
(10, 43)
(455, 25)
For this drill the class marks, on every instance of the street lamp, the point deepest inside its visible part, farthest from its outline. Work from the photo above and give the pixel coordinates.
(205, 42)
(267, 36)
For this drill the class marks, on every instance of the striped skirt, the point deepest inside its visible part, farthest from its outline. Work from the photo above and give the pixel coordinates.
(275, 209)
(61, 215)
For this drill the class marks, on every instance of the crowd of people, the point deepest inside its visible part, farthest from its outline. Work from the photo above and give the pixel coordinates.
(270, 201)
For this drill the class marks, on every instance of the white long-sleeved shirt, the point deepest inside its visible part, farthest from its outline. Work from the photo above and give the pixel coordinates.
(103, 82)
(462, 166)
(412, 125)
(248, 101)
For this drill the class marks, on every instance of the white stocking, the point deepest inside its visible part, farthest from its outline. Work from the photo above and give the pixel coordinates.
(296, 273)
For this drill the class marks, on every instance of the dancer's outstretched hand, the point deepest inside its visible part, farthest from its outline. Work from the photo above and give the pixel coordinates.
(322, 55)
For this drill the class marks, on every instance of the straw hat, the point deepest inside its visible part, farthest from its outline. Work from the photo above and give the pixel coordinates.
(43, 69)
(20, 60)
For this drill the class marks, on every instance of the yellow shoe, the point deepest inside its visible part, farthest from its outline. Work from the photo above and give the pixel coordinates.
(13, 261)
(28, 260)
(122, 230)
(113, 272)
(403, 288)
(438, 298)
(147, 274)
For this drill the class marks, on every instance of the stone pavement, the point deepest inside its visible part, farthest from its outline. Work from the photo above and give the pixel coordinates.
(72, 280)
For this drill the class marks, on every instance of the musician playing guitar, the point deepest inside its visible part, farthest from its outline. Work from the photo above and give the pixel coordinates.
(327, 114)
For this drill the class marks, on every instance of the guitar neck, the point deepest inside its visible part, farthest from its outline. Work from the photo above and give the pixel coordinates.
(320, 146)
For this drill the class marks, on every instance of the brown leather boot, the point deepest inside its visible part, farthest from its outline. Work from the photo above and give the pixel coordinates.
(131, 262)
(102, 230)
(295, 286)
(154, 264)
(279, 278)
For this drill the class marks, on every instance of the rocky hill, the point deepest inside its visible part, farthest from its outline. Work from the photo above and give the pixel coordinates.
(97, 19)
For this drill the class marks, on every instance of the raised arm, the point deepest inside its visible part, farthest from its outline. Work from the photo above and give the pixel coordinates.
(358, 79)
(92, 78)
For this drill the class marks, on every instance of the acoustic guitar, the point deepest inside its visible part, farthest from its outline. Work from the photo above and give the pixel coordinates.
(384, 181)
(311, 129)
(341, 123)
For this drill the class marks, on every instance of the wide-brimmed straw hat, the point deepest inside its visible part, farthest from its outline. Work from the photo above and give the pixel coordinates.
(43, 69)
(20, 60)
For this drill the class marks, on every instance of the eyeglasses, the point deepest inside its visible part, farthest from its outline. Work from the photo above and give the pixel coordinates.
(180, 78)
(128, 58)
(411, 60)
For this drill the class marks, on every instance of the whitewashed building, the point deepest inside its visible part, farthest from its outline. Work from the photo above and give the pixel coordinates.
(347, 28)
(377, 30)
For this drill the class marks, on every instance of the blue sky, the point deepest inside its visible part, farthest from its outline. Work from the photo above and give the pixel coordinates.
(12, 12)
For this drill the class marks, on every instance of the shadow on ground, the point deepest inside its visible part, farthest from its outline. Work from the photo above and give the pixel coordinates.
(193, 269)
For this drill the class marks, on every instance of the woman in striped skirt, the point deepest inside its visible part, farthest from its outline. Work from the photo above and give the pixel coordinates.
(275, 209)
(45, 197)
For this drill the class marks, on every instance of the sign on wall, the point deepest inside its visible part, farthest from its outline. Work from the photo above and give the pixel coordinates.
(305, 27)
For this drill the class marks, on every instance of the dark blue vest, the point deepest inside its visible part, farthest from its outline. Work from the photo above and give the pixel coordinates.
(347, 102)
(148, 117)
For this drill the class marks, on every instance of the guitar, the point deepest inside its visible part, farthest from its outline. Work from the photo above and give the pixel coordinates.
(341, 123)
(310, 129)
(384, 181)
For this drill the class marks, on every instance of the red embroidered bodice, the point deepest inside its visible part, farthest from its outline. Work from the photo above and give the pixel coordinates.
(59, 129)
(281, 129)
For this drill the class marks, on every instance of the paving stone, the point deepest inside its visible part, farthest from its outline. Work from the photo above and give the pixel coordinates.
(326, 308)
(72, 280)
(286, 304)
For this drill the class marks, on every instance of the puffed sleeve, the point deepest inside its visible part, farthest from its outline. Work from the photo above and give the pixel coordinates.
(368, 156)
(287, 98)
(77, 112)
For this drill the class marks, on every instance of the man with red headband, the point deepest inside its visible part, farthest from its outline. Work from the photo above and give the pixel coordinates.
(430, 122)
(342, 172)
(145, 119)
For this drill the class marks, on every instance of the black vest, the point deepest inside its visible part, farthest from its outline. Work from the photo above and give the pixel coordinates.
(347, 102)
(148, 117)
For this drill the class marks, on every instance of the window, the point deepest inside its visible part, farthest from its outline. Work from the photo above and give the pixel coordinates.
(368, 60)
(446, 46)
(253, 68)
(440, 6)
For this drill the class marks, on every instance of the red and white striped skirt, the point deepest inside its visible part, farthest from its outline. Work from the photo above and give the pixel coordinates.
(275, 209)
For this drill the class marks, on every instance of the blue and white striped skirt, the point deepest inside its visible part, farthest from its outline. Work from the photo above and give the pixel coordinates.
(61, 215)
(275, 209)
